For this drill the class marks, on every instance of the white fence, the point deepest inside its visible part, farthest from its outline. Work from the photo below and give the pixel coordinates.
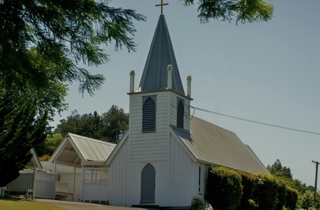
(21, 184)
(44, 187)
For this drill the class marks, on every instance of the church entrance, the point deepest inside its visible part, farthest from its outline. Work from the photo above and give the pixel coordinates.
(148, 183)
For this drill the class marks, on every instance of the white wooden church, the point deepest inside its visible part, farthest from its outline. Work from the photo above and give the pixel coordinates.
(164, 157)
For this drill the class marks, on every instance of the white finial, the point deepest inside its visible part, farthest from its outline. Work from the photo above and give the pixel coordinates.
(169, 85)
(189, 86)
(132, 81)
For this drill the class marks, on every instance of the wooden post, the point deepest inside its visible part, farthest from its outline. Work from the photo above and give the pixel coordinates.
(74, 183)
(34, 182)
(315, 184)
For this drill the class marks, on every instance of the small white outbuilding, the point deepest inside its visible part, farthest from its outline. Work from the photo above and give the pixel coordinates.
(88, 156)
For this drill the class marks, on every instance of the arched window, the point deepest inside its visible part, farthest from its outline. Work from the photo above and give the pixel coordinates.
(149, 114)
(180, 113)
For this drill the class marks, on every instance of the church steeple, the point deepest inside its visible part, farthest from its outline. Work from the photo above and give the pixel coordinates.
(161, 54)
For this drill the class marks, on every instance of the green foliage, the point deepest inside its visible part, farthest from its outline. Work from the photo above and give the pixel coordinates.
(284, 174)
(252, 205)
(292, 198)
(51, 143)
(259, 192)
(22, 127)
(224, 189)
(248, 182)
(110, 126)
(64, 34)
(306, 200)
(279, 171)
(243, 10)
(282, 195)
(116, 122)
(266, 191)
(198, 204)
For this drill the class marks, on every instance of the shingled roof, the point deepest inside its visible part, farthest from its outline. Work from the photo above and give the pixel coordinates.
(217, 146)
(160, 55)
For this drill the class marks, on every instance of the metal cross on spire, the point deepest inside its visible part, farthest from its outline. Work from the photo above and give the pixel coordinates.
(161, 5)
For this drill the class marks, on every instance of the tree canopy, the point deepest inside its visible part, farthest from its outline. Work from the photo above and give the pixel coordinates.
(284, 174)
(280, 171)
(109, 126)
(64, 34)
(243, 10)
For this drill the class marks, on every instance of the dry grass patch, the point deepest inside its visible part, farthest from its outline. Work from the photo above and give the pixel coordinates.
(16, 204)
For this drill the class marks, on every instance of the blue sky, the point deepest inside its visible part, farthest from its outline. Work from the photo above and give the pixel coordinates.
(266, 71)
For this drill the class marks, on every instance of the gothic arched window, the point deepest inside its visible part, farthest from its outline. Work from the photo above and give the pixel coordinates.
(149, 114)
(180, 113)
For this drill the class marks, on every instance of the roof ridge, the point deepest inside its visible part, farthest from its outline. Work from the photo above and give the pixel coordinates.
(92, 139)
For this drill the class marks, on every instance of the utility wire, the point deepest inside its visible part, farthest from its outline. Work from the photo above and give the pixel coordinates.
(254, 121)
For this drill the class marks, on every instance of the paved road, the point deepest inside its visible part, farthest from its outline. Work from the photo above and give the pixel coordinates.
(83, 206)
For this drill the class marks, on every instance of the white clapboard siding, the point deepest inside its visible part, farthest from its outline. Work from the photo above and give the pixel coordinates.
(117, 177)
(45, 185)
(94, 192)
(183, 176)
(140, 142)
(134, 188)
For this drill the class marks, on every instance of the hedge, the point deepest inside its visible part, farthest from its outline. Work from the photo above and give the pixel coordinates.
(248, 182)
(292, 198)
(265, 192)
(227, 189)
(282, 193)
(224, 188)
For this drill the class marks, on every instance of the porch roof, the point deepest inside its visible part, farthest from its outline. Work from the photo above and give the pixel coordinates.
(76, 150)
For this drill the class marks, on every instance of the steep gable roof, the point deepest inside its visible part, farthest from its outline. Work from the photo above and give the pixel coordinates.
(214, 145)
(161, 54)
(34, 161)
(76, 149)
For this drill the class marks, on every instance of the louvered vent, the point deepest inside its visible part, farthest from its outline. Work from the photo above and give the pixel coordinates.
(180, 113)
(149, 115)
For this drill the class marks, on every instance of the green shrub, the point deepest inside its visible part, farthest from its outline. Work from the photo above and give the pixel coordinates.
(248, 183)
(282, 195)
(252, 205)
(265, 192)
(224, 188)
(199, 204)
(292, 198)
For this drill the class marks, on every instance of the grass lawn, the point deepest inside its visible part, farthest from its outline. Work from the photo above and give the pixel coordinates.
(16, 204)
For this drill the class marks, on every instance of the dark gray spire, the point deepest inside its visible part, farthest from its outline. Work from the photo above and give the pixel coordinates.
(155, 74)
